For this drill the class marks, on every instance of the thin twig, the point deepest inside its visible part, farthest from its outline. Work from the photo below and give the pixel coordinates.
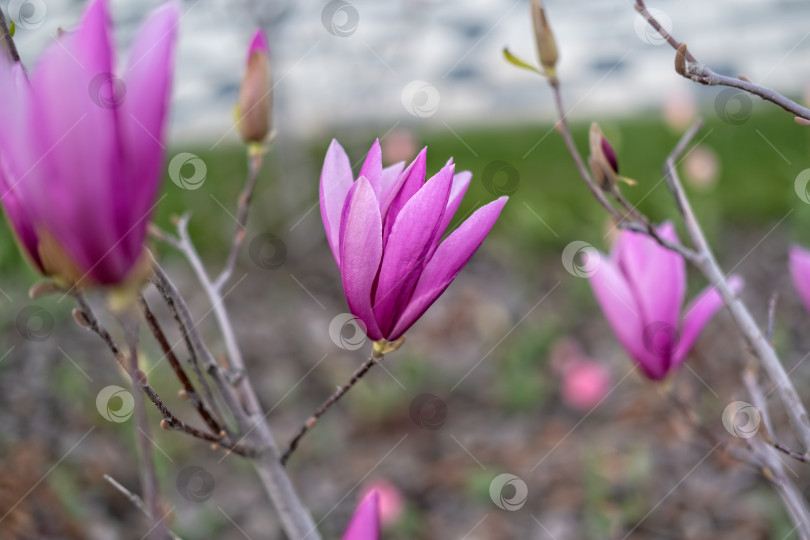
(136, 501)
(168, 353)
(149, 483)
(703, 75)
(375, 358)
(220, 310)
(7, 40)
(255, 159)
(186, 323)
(170, 420)
(691, 416)
(771, 316)
(707, 264)
(639, 223)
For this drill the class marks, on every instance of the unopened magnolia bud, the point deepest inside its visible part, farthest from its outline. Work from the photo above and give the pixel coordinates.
(256, 94)
(603, 162)
(546, 44)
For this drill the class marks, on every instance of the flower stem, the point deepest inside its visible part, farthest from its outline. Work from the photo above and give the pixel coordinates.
(375, 358)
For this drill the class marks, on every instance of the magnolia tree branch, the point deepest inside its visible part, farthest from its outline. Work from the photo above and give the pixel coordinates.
(639, 223)
(690, 68)
(707, 264)
(295, 518)
(773, 468)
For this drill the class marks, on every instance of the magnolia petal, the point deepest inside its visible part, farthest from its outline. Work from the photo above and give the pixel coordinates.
(365, 523)
(390, 178)
(656, 275)
(447, 262)
(618, 302)
(799, 263)
(372, 168)
(71, 192)
(407, 184)
(461, 182)
(336, 180)
(360, 252)
(145, 107)
(698, 313)
(412, 238)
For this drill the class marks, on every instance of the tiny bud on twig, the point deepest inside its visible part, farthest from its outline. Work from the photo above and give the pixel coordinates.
(680, 60)
(81, 318)
(802, 121)
(164, 424)
(744, 78)
(43, 288)
(182, 393)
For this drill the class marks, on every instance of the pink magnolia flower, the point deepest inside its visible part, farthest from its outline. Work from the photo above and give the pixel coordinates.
(81, 149)
(391, 503)
(385, 231)
(365, 523)
(641, 288)
(799, 263)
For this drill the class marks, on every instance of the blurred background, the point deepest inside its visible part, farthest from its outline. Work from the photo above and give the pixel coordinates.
(514, 371)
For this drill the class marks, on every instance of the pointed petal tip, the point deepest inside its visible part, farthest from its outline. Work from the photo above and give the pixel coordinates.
(258, 43)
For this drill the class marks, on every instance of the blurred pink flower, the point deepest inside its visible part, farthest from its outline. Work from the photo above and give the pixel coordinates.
(81, 149)
(385, 231)
(641, 288)
(365, 523)
(585, 383)
(799, 263)
(390, 500)
(680, 110)
(400, 145)
(702, 167)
